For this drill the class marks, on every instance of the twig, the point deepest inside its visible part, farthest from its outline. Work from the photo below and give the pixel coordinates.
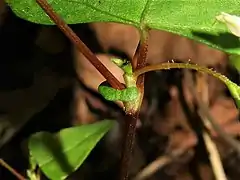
(13, 171)
(204, 110)
(214, 158)
(157, 164)
(111, 79)
(227, 138)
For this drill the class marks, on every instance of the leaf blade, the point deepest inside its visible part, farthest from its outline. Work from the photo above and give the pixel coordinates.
(193, 19)
(74, 143)
(93, 11)
(235, 92)
(196, 20)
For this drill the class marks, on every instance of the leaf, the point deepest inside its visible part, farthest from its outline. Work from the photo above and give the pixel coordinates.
(193, 19)
(235, 91)
(235, 61)
(60, 154)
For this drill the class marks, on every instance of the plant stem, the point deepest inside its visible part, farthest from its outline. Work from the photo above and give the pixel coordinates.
(141, 62)
(140, 57)
(13, 171)
(128, 143)
(135, 57)
(173, 65)
(132, 114)
(231, 141)
(111, 79)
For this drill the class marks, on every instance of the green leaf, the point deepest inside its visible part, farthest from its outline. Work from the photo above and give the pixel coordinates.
(194, 19)
(235, 61)
(235, 91)
(60, 154)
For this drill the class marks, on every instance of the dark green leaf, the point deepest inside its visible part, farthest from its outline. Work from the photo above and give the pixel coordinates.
(60, 154)
(194, 19)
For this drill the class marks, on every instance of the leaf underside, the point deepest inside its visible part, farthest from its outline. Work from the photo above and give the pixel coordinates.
(60, 154)
(194, 19)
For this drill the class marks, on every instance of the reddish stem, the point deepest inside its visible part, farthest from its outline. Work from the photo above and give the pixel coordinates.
(13, 171)
(111, 79)
(135, 57)
(128, 144)
(141, 62)
(131, 120)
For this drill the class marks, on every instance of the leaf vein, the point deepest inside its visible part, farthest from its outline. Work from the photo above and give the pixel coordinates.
(145, 10)
(107, 13)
